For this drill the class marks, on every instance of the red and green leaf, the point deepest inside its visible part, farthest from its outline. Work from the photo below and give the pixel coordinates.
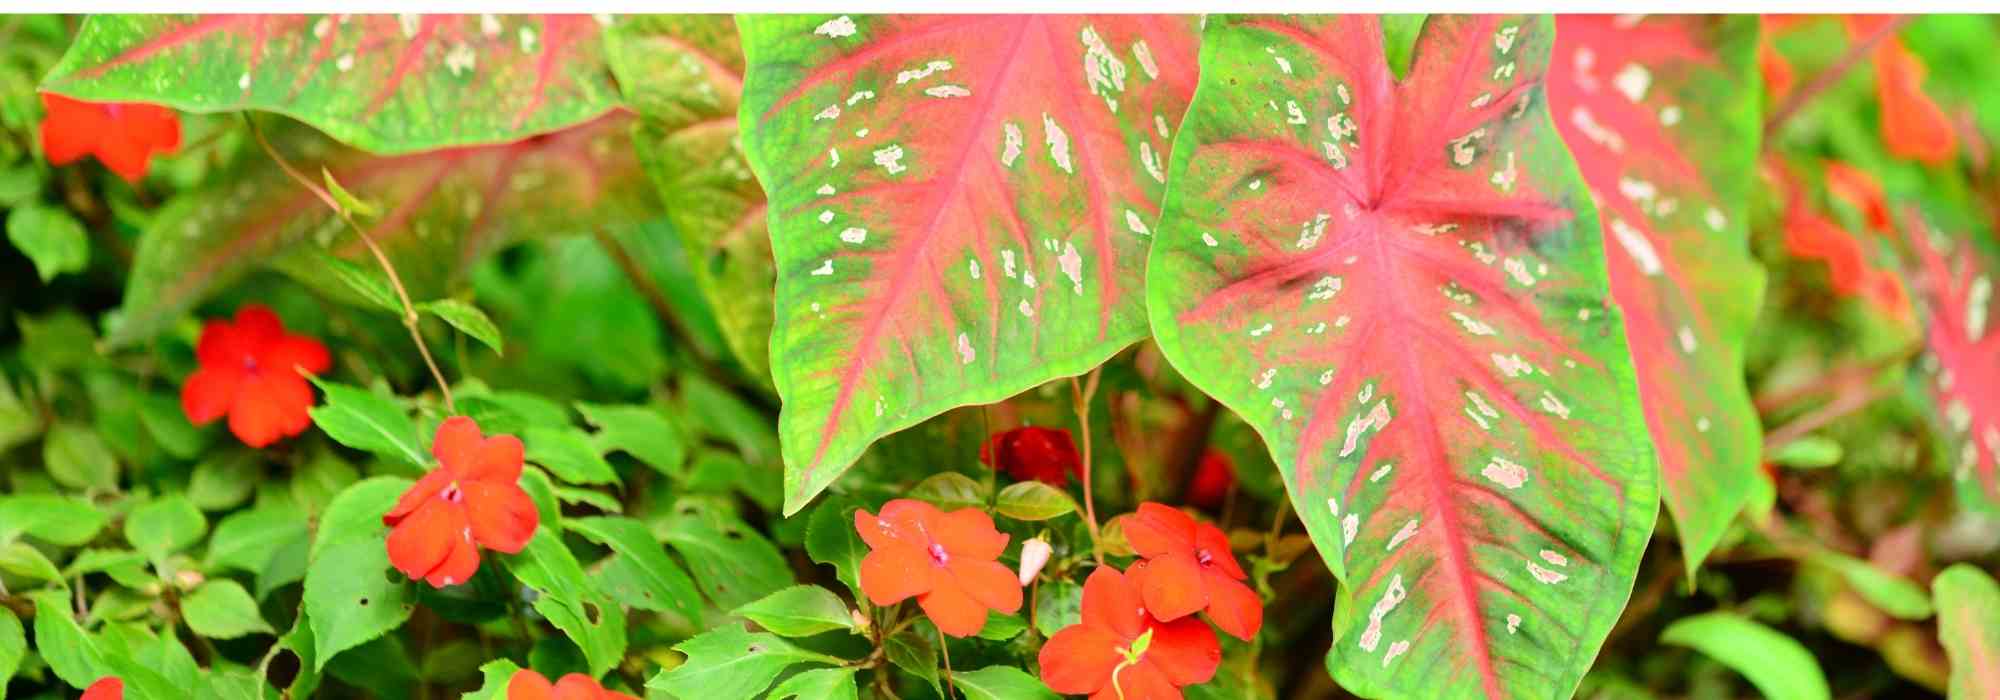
(683, 74)
(1661, 114)
(1968, 609)
(384, 83)
(959, 207)
(1401, 285)
(441, 211)
(1956, 277)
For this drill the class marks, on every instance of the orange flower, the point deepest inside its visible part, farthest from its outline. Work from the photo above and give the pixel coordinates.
(1913, 126)
(122, 136)
(106, 688)
(1121, 650)
(472, 500)
(946, 560)
(1778, 80)
(1859, 190)
(529, 685)
(1188, 568)
(1212, 478)
(250, 370)
(1812, 236)
(1047, 455)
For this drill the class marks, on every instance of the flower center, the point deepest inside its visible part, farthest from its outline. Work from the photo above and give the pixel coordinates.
(250, 363)
(452, 494)
(938, 555)
(1202, 557)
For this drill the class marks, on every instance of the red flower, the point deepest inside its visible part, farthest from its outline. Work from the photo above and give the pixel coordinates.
(1913, 126)
(946, 560)
(106, 688)
(1777, 71)
(250, 370)
(1047, 455)
(122, 136)
(472, 500)
(1120, 650)
(1212, 479)
(529, 685)
(1188, 567)
(1860, 190)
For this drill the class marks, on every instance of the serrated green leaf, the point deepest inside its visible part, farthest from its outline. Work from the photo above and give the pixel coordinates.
(165, 526)
(1058, 604)
(593, 623)
(1001, 683)
(221, 609)
(76, 457)
(1780, 667)
(1001, 626)
(58, 520)
(51, 238)
(818, 684)
(224, 479)
(799, 611)
(730, 663)
(495, 674)
(733, 563)
(469, 320)
(352, 597)
(367, 421)
(13, 647)
(663, 584)
(22, 559)
(641, 431)
(247, 540)
(911, 651)
(831, 540)
(1969, 627)
(568, 454)
(69, 651)
(356, 513)
(1033, 500)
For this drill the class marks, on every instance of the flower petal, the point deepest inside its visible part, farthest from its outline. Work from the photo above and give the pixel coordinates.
(422, 541)
(496, 460)
(899, 523)
(458, 566)
(257, 325)
(1209, 538)
(954, 612)
(1111, 600)
(292, 353)
(1079, 659)
(1158, 529)
(988, 582)
(122, 154)
(270, 406)
(577, 686)
(1233, 606)
(1172, 586)
(419, 493)
(1143, 681)
(890, 574)
(1186, 650)
(1913, 126)
(969, 533)
(529, 685)
(502, 517)
(209, 393)
(456, 440)
(106, 688)
(70, 128)
(221, 344)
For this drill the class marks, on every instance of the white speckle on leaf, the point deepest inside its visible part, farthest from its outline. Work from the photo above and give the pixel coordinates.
(1311, 231)
(837, 27)
(1504, 39)
(1505, 472)
(1377, 418)
(1295, 115)
(243, 83)
(1209, 239)
(890, 158)
(1636, 245)
(1145, 56)
(1554, 558)
(1349, 527)
(1264, 378)
(825, 190)
(1714, 219)
(1633, 81)
(1596, 131)
(1545, 575)
(1138, 225)
(1686, 336)
(345, 63)
(860, 95)
(1512, 365)
(1554, 405)
(461, 59)
(831, 112)
(1670, 115)
(1978, 297)
(973, 265)
(1472, 325)
(1333, 506)
(1071, 263)
(489, 25)
(928, 68)
(1396, 649)
(1260, 330)
(1160, 125)
(825, 268)
(324, 25)
(527, 39)
(1027, 309)
(947, 91)
(1058, 143)
(1462, 149)
(826, 216)
(1380, 473)
(833, 157)
(1324, 289)
(409, 23)
(1513, 623)
(854, 235)
(861, 133)
(1152, 162)
(1519, 271)
(1702, 425)
(1028, 279)
(1392, 596)
(1011, 148)
(965, 353)
(1007, 264)
(1103, 73)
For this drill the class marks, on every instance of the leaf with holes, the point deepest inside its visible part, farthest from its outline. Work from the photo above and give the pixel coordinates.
(445, 210)
(386, 83)
(1661, 114)
(1400, 284)
(1962, 342)
(960, 208)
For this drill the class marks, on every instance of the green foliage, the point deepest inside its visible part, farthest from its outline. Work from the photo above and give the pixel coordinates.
(799, 611)
(730, 663)
(1780, 667)
(50, 237)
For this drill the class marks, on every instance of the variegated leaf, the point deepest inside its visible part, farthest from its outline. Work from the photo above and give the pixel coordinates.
(1956, 277)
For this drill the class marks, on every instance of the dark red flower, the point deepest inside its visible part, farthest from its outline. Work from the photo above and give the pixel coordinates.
(1120, 650)
(1212, 478)
(472, 500)
(1188, 567)
(106, 688)
(944, 559)
(529, 685)
(250, 371)
(1047, 455)
(123, 136)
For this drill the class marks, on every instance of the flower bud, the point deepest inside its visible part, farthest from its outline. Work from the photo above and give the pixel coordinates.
(1034, 555)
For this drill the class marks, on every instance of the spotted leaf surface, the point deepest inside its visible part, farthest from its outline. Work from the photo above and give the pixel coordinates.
(1661, 114)
(441, 211)
(1962, 353)
(1400, 284)
(683, 75)
(385, 83)
(959, 207)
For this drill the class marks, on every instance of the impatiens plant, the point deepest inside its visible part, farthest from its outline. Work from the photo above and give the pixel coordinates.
(998, 356)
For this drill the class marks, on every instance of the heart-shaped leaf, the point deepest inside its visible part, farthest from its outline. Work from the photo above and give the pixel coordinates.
(959, 207)
(1962, 335)
(1400, 284)
(1969, 626)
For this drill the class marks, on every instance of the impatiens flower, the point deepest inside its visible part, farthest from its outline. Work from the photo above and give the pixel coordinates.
(472, 500)
(1047, 455)
(529, 685)
(1120, 650)
(106, 688)
(1812, 236)
(946, 560)
(1913, 126)
(1212, 478)
(250, 371)
(1860, 190)
(1188, 567)
(122, 136)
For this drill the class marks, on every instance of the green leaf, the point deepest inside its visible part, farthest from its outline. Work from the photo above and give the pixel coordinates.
(663, 584)
(169, 426)
(78, 458)
(125, 566)
(13, 647)
(356, 513)
(799, 611)
(951, 491)
(1899, 597)
(1780, 667)
(733, 563)
(57, 520)
(1459, 433)
(247, 540)
(22, 559)
(51, 238)
(19, 422)
(912, 651)
(578, 495)
(224, 479)
(367, 421)
(641, 431)
(352, 597)
(730, 663)
(1399, 39)
(568, 454)
(221, 609)
(1969, 627)
(818, 684)
(1058, 604)
(355, 206)
(164, 526)
(69, 651)
(496, 674)
(1033, 500)
(369, 285)
(387, 83)
(468, 319)
(323, 477)
(1001, 627)
(831, 539)
(927, 265)
(20, 184)
(594, 624)
(1001, 683)
(1809, 452)
(57, 342)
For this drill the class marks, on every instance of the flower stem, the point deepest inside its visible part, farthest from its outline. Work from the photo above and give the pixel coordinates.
(410, 317)
(1081, 392)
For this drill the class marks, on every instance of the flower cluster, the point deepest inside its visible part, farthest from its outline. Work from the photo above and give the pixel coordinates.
(1122, 649)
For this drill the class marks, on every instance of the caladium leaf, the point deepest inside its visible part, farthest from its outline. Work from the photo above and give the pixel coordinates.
(683, 74)
(960, 208)
(1962, 348)
(385, 83)
(1969, 627)
(1661, 114)
(1400, 284)
(442, 211)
